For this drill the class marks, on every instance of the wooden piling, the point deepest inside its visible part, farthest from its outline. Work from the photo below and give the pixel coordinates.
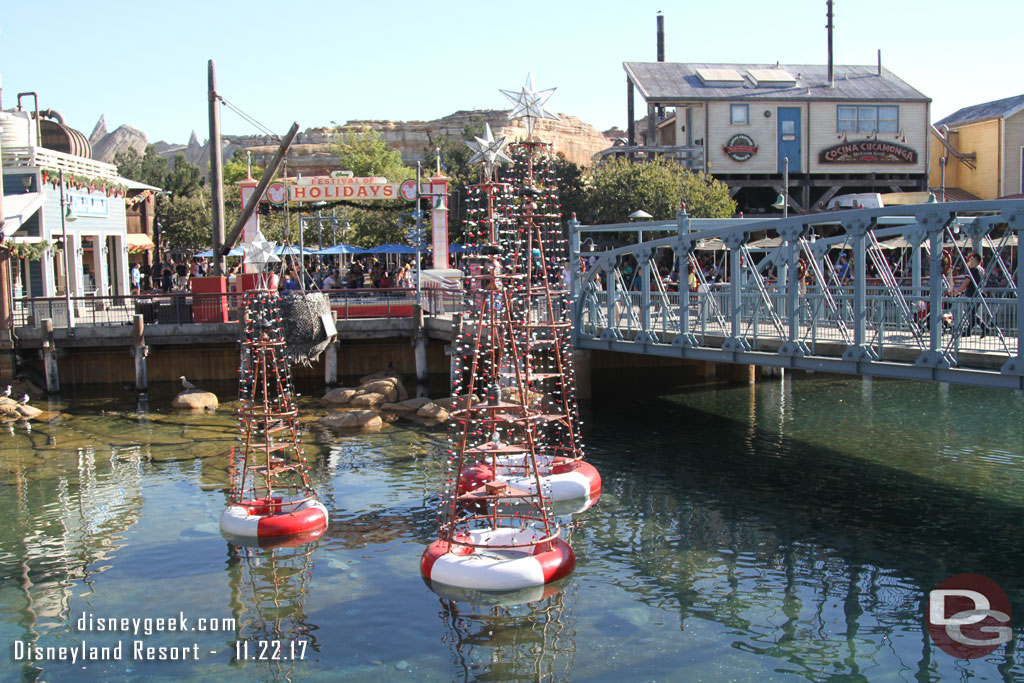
(140, 351)
(49, 354)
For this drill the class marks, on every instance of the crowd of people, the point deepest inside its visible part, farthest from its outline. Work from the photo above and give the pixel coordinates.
(169, 276)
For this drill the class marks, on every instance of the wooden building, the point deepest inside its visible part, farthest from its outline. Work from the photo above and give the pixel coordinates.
(847, 129)
(982, 149)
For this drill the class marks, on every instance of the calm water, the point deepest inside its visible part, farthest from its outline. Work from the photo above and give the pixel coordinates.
(785, 531)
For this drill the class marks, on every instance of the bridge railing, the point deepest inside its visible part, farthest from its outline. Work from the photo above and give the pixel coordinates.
(179, 308)
(787, 295)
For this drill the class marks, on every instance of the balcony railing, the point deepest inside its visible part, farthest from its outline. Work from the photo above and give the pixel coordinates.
(48, 158)
(197, 308)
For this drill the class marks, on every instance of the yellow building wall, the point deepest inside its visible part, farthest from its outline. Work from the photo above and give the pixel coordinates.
(982, 138)
(953, 166)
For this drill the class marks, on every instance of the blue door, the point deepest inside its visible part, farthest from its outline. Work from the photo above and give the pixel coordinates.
(789, 138)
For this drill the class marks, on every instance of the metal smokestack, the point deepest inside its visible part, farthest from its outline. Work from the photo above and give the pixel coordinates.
(661, 37)
(829, 26)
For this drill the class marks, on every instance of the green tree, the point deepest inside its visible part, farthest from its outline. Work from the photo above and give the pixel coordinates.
(237, 168)
(149, 168)
(186, 178)
(572, 189)
(365, 153)
(185, 221)
(620, 187)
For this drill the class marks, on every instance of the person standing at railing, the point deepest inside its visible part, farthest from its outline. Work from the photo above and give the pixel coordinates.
(968, 289)
(136, 279)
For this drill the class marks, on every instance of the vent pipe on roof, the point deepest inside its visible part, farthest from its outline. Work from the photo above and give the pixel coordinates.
(829, 26)
(879, 61)
(661, 37)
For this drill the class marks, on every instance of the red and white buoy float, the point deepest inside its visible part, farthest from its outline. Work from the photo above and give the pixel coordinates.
(271, 518)
(272, 499)
(563, 479)
(498, 559)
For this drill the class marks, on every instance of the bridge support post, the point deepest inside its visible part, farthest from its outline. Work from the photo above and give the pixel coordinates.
(139, 352)
(419, 342)
(49, 354)
(331, 357)
(1015, 366)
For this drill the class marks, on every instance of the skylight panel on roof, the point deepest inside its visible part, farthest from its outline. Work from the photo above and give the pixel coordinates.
(720, 78)
(771, 78)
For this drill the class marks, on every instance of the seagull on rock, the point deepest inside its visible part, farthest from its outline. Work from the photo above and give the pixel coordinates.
(185, 383)
(23, 400)
(7, 391)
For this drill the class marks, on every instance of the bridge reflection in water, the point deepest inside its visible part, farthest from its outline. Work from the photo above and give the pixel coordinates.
(794, 302)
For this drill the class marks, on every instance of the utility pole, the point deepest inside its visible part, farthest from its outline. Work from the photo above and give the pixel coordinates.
(216, 174)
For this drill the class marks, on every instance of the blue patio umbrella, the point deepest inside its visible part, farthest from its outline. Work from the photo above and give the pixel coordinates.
(460, 248)
(237, 251)
(391, 249)
(292, 250)
(341, 249)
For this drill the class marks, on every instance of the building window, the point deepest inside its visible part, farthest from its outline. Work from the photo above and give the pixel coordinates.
(867, 119)
(846, 120)
(739, 114)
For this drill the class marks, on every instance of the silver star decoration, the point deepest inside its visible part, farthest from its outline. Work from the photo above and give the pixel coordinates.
(529, 104)
(259, 252)
(488, 151)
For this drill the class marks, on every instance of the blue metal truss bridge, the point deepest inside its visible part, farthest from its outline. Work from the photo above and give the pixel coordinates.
(883, 292)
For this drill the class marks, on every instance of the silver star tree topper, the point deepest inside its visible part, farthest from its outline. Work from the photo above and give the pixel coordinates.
(488, 151)
(259, 252)
(529, 104)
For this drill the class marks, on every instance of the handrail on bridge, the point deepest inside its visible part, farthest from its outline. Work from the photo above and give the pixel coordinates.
(907, 327)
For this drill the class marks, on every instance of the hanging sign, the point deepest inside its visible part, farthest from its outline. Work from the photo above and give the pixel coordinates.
(327, 188)
(740, 147)
(868, 152)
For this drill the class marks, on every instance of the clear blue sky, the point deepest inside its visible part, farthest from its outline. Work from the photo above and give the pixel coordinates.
(144, 63)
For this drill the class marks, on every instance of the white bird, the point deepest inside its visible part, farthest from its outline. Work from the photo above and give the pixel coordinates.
(185, 383)
(7, 391)
(23, 400)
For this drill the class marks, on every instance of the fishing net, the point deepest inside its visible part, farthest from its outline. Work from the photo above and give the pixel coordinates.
(304, 333)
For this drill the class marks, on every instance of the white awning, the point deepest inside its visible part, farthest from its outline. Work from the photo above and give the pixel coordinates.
(18, 208)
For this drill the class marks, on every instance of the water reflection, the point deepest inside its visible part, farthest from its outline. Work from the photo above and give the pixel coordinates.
(269, 590)
(525, 635)
(65, 533)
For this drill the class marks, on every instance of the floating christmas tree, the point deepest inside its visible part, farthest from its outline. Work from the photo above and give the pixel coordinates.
(271, 494)
(515, 449)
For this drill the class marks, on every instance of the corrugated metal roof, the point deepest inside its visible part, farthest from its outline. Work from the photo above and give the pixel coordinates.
(988, 110)
(667, 82)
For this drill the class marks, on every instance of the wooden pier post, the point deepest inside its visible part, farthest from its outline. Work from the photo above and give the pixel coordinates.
(139, 352)
(50, 358)
(331, 357)
(419, 342)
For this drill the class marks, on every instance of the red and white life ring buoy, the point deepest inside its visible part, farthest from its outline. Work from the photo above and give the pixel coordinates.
(947, 261)
(270, 518)
(562, 479)
(497, 568)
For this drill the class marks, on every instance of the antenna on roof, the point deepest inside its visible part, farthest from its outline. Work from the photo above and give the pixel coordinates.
(661, 36)
(829, 26)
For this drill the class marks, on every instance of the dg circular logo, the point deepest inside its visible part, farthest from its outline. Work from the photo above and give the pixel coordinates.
(969, 616)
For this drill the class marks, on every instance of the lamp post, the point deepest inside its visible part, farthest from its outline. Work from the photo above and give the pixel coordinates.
(66, 216)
